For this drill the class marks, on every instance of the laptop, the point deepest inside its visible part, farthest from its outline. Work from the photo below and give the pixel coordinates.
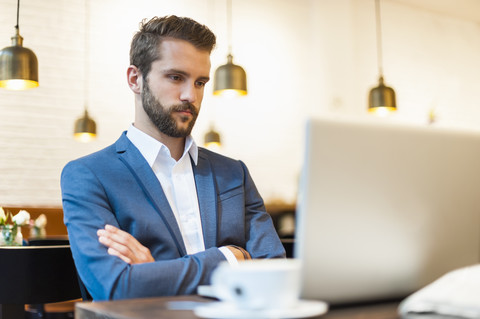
(384, 209)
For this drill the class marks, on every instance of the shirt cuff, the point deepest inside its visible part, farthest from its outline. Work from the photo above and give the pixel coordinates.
(232, 260)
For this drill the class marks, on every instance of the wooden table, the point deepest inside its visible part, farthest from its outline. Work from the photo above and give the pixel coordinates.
(181, 307)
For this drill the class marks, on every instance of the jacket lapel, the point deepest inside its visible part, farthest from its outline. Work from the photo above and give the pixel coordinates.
(207, 198)
(143, 173)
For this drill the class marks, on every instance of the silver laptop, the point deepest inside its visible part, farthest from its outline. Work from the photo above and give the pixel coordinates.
(385, 209)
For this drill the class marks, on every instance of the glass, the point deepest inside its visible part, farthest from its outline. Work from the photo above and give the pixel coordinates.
(10, 235)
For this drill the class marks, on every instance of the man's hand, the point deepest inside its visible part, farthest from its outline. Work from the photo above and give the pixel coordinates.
(239, 252)
(124, 245)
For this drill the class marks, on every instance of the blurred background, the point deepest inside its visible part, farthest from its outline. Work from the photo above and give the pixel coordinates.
(303, 58)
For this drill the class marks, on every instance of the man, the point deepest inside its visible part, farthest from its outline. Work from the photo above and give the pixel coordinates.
(153, 214)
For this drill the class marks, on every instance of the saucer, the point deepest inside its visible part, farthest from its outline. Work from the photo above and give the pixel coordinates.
(226, 310)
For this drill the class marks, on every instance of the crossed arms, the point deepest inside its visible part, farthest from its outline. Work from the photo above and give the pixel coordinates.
(127, 248)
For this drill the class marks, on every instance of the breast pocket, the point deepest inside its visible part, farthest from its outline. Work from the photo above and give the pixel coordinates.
(238, 191)
(231, 217)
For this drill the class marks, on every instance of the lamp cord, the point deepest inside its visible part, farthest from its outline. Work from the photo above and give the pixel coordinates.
(86, 69)
(379, 37)
(18, 14)
(229, 25)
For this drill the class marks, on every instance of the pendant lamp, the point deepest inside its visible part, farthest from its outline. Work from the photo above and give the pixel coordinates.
(381, 99)
(85, 127)
(212, 138)
(18, 65)
(230, 79)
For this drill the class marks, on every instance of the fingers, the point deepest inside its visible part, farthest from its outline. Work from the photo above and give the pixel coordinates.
(118, 239)
(124, 245)
(114, 252)
(115, 244)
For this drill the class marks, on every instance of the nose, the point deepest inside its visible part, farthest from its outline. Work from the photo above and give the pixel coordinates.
(189, 93)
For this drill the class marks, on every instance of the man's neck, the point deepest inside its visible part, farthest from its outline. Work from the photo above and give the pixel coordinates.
(176, 145)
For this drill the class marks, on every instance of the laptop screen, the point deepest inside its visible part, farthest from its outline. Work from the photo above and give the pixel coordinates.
(384, 209)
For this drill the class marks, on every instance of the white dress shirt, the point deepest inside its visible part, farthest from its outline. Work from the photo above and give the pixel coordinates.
(178, 184)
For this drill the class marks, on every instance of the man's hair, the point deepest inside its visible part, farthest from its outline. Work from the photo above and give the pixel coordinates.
(144, 49)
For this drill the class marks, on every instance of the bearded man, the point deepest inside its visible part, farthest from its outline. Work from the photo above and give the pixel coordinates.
(153, 214)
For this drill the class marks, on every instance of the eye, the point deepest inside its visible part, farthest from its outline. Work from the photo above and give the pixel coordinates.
(200, 83)
(175, 77)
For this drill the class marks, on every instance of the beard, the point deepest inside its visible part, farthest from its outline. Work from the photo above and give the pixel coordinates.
(161, 116)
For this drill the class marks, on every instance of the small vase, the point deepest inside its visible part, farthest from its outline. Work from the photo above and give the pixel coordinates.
(38, 232)
(10, 235)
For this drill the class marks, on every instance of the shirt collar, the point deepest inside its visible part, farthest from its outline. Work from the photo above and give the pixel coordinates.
(150, 147)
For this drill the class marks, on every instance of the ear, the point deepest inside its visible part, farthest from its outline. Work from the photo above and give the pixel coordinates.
(134, 78)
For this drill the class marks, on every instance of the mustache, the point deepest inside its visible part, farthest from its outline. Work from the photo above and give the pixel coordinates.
(185, 107)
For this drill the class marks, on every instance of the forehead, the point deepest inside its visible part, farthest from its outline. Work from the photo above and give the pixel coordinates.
(182, 55)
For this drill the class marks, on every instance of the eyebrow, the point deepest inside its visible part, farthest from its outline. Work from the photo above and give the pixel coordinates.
(204, 78)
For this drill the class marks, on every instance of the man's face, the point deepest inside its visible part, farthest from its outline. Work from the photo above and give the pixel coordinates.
(173, 91)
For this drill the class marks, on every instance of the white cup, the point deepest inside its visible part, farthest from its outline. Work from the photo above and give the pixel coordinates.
(259, 283)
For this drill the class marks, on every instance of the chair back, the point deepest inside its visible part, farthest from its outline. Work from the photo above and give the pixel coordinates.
(37, 275)
(61, 240)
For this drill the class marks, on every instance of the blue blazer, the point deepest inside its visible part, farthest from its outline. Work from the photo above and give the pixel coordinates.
(117, 186)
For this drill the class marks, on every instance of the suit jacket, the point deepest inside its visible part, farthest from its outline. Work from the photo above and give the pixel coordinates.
(117, 186)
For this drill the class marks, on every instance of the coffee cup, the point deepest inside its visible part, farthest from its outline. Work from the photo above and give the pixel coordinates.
(258, 284)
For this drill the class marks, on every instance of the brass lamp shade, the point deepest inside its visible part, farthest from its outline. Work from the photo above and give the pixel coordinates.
(230, 79)
(212, 138)
(18, 66)
(381, 99)
(85, 129)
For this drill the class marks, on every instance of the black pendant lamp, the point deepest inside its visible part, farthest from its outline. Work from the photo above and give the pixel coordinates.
(381, 99)
(230, 79)
(85, 127)
(18, 65)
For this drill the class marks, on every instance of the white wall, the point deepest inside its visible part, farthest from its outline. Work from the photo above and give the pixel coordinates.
(303, 58)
